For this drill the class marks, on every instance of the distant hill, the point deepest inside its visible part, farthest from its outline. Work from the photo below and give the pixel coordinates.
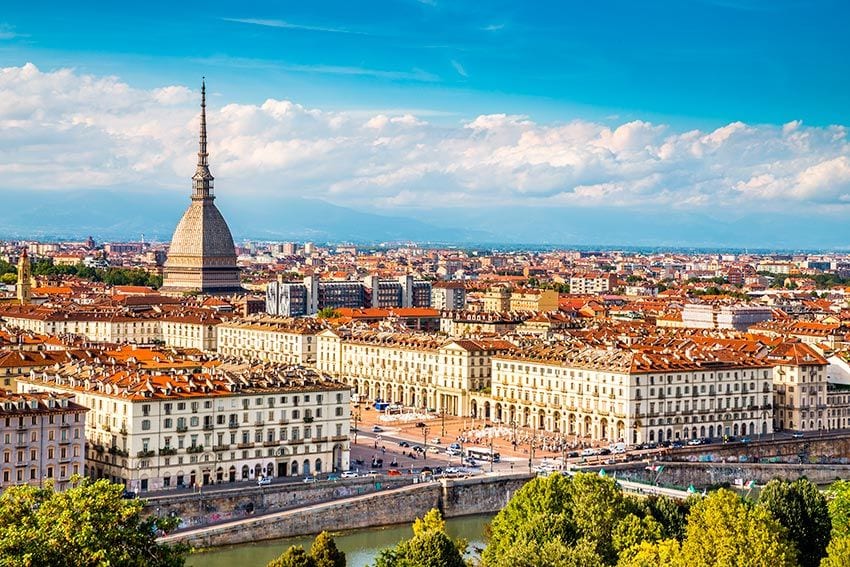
(127, 215)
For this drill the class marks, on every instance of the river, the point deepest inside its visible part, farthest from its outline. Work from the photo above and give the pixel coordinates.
(360, 546)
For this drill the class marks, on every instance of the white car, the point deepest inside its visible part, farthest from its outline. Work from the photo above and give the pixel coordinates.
(349, 474)
(309, 479)
(264, 480)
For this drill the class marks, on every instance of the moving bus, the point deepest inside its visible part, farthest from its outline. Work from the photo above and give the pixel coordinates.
(482, 454)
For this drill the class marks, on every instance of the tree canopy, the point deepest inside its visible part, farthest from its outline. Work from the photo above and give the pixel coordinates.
(323, 553)
(430, 546)
(109, 276)
(802, 510)
(89, 524)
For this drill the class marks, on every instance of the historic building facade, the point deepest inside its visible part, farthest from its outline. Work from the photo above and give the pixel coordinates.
(153, 430)
(202, 257)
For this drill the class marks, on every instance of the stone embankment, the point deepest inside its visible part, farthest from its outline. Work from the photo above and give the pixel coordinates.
(454, 497)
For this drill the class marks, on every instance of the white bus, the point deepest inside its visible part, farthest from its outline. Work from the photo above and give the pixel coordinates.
(482, 454)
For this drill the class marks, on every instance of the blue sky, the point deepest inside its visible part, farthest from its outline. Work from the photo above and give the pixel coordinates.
(450, 112)
(698, 62)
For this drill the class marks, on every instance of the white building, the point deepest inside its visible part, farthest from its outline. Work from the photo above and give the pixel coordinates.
(216, 424)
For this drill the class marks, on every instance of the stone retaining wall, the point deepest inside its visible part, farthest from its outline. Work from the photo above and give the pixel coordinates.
(454, 497)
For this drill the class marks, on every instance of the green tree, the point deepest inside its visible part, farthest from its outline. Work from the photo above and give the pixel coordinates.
(430, 546)
(598, 506)
(666, 552)
(87, 524)
(328, 313)
(586, 508)
(838, 495)
(837, 552)
(295, 556)
(325, 553)
(633, 530)
(552, 553)
(671, 514)
(7, 268)
(802, 510)
(539, 512)
(724, 531)
(9, 278)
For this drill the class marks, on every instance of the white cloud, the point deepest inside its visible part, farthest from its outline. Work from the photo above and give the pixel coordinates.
(67, 130)
(459, 68)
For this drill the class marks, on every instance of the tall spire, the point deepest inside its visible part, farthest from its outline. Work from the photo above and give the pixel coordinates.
(203, 179)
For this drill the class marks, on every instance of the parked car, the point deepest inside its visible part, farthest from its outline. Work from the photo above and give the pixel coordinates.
(695, 441)
(264, 480)
(128, 495)
(573, 454)
(589, 452)
(309, 479)
(403, 444)
(435, 441)
(333, 476)
(376, 429)
(797, 435)
(420, 424)
(604, 451)
(349, 474)
(677, 445)
(433, 449)
(394, 472)
(418, 449)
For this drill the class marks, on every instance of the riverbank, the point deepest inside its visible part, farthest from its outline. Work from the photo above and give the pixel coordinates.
(484, 494)
(360, 546)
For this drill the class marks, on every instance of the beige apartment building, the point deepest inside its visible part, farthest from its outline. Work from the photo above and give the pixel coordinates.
(501, 299)
(630, 395)
(414, 369)
(153, 430)
(198, 331)
(43, 438)
(96, 327)
(284, 340)
(800, 382)
(592, 283)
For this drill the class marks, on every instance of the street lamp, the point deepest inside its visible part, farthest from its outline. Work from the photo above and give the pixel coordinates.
(356, 421)
(443, 418)
(425, 444)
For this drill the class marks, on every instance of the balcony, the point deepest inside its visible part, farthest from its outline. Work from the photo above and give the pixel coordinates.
(145, 454)
(208, 427)
(167, 451)
(245, 445)
(182, 429)
(195, 449)
(283, 421)
(259, 423)
(219, 448)
(118, 452)
(270, 444)
(233, 425)
(308, 419)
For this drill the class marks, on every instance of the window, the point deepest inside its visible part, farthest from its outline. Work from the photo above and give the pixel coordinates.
(146, 409)
(146, 424)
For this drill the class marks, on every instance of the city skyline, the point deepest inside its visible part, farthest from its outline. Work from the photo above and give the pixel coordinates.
(448, 128)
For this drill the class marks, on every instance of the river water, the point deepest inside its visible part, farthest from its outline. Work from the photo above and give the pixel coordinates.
(360, 546)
